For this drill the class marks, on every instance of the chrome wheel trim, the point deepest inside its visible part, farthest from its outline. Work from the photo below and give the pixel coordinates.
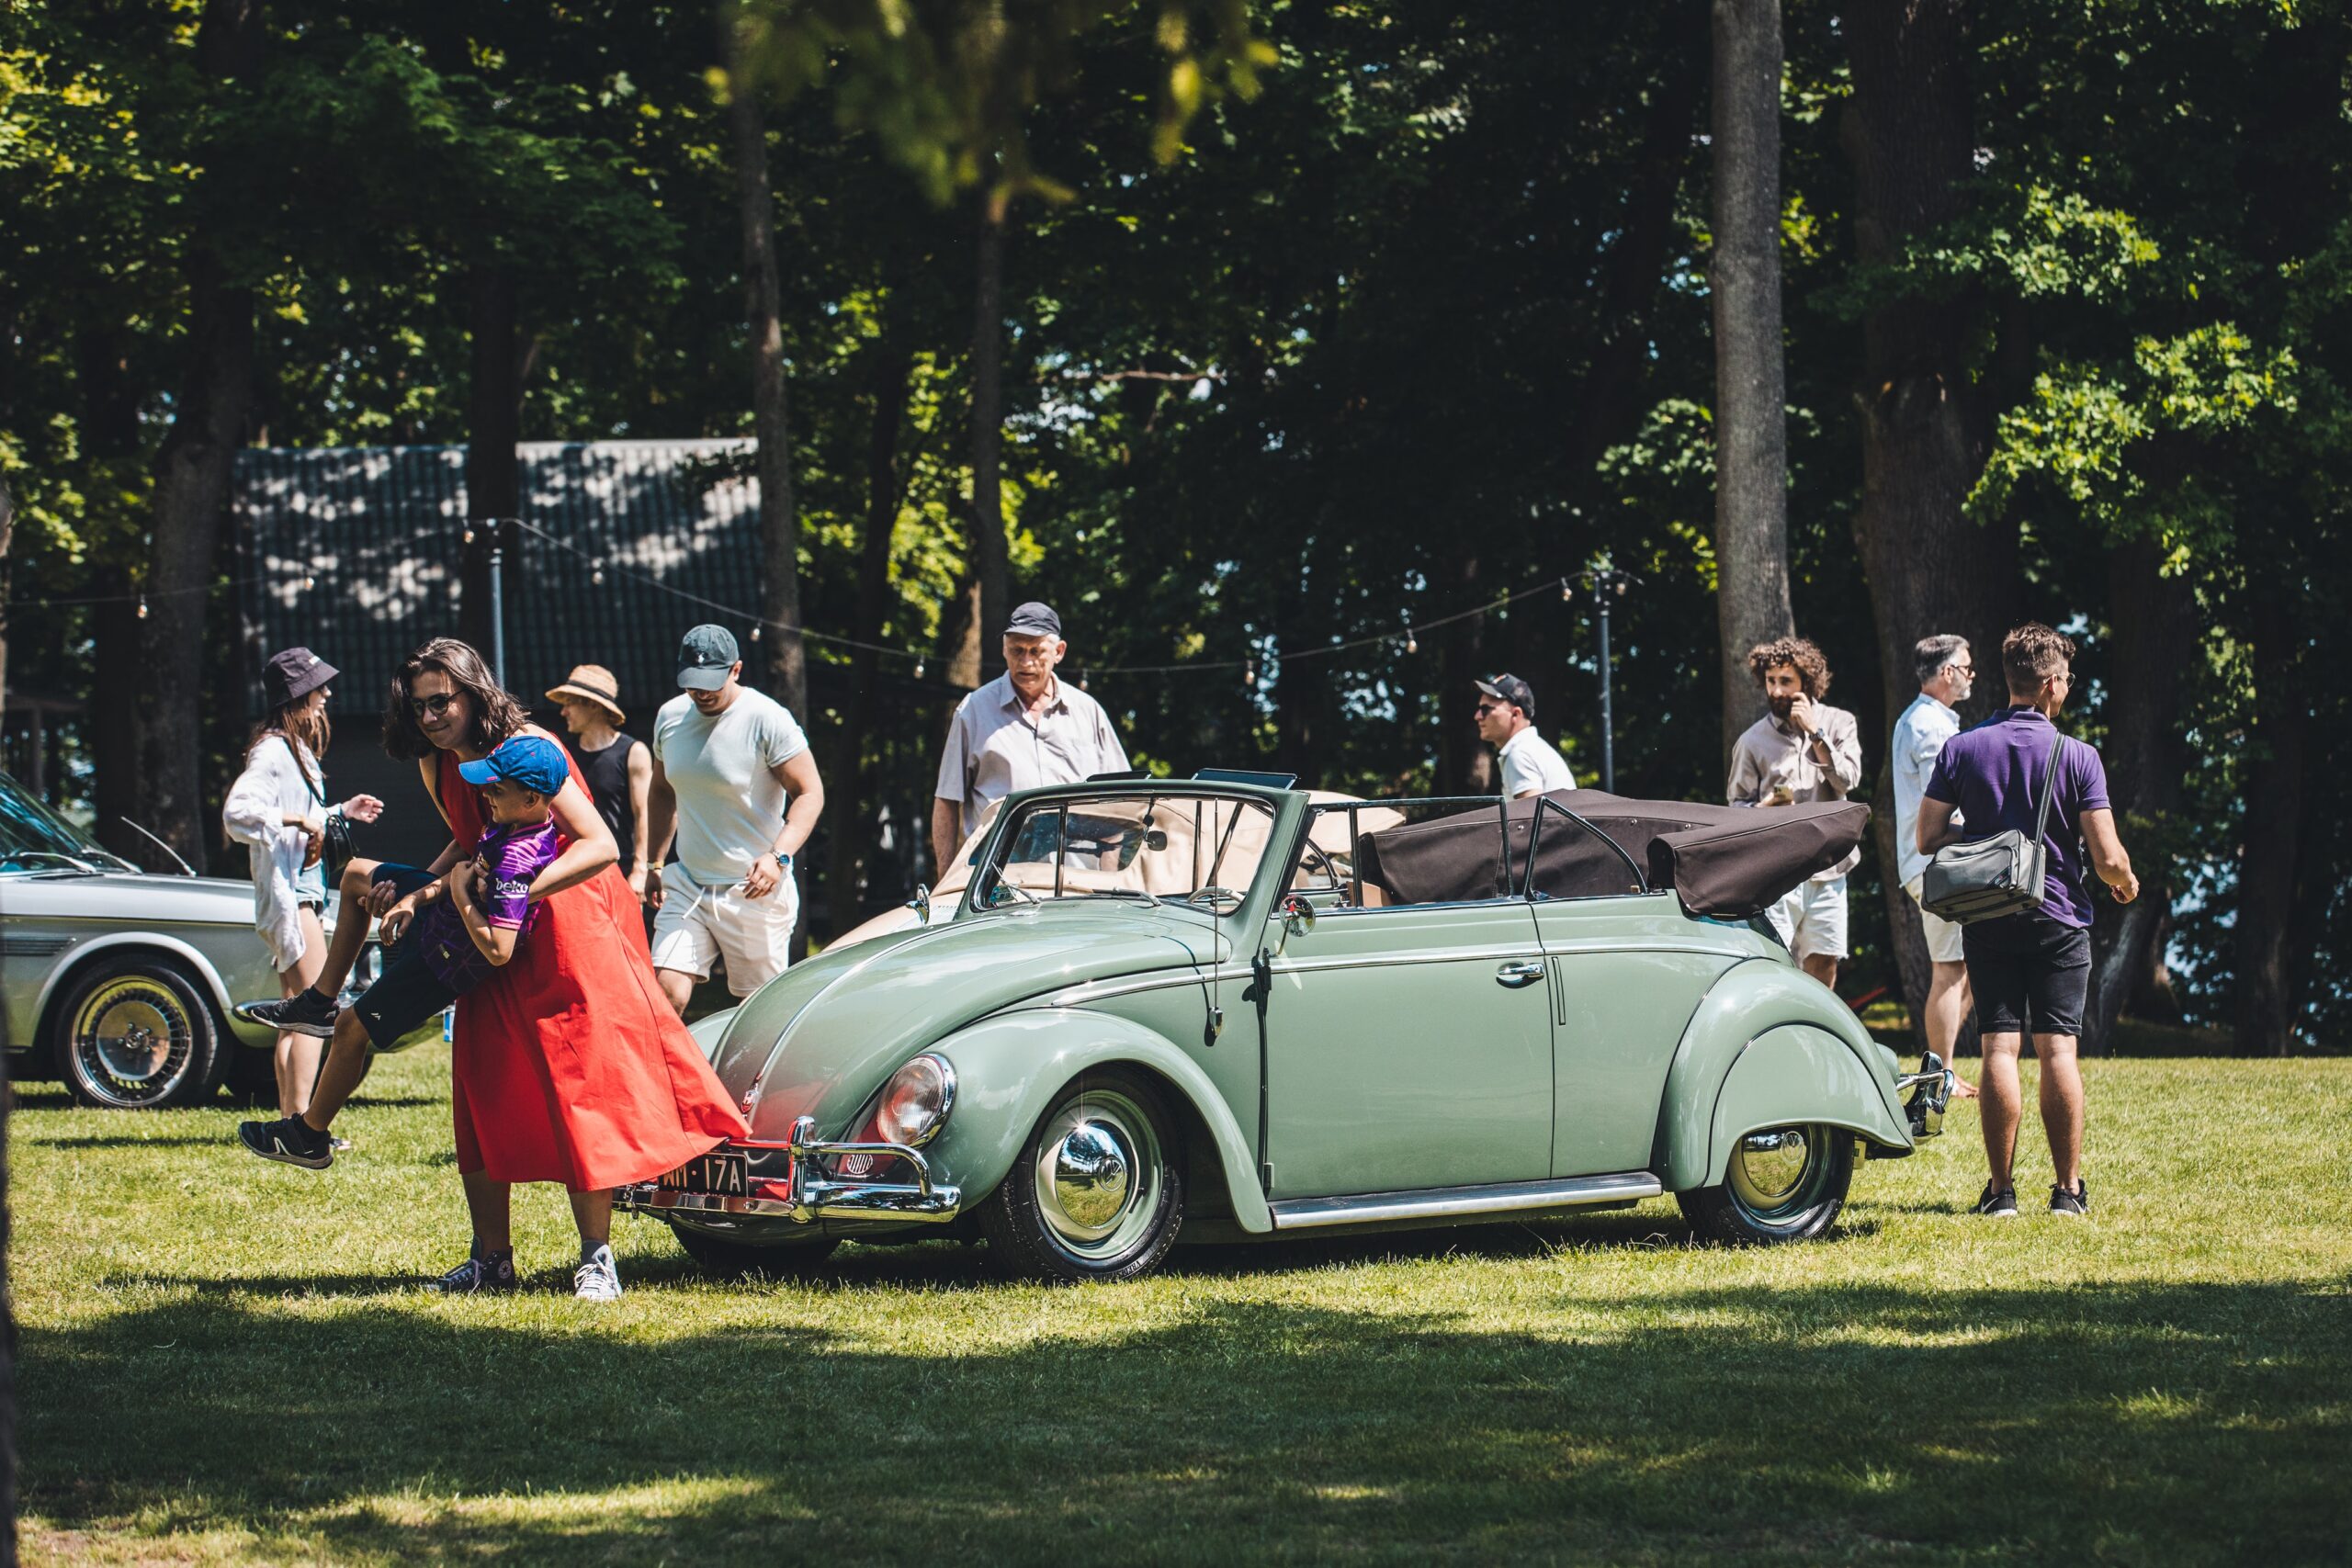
(131, 1042)
(1098, 1176)
(1774, 1174)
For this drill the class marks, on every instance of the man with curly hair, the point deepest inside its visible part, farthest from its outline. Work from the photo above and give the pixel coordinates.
(1801, 749)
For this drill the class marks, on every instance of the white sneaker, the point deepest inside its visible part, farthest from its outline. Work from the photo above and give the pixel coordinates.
(598, 1280)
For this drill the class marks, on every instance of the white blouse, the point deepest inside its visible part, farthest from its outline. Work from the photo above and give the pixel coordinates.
(272, 786)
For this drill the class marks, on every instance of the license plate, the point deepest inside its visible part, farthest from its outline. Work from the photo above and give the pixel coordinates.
(720, 1174)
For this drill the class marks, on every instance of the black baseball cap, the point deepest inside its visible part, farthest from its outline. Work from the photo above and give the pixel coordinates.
(1034, 619)
(1509, 689)
(705, 657)
(294, 673)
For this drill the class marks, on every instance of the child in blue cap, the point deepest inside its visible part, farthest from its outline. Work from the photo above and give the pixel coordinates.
(468, 926)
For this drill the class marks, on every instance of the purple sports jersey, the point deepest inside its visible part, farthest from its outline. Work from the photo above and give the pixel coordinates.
(515, 856)
(1991, 772)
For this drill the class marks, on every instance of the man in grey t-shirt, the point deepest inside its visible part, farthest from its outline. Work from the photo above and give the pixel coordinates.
(733, 774)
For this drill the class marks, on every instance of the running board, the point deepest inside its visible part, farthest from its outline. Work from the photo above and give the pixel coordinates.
(1461, 1202)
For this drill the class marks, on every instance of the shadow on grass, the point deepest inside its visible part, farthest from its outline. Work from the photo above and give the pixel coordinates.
(2183, 1423)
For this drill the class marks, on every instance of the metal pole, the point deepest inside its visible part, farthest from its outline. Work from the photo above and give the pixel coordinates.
(1608, 721)
(498, 601)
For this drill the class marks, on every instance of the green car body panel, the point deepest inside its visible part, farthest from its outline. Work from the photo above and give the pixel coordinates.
(1405, 1049)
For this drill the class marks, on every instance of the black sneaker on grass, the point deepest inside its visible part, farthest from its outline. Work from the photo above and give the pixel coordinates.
(304, 1012)
(290, 1141)
(2074, 1206)
(2001, 1205)
(478, 1273)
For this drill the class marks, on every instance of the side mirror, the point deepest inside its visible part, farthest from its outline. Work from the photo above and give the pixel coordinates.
(921, 904)
(1298, 920)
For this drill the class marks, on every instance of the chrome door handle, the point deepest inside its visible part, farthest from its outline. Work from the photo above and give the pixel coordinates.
(1513, 975)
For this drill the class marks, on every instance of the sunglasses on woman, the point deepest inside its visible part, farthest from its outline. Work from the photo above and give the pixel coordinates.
(437, 704)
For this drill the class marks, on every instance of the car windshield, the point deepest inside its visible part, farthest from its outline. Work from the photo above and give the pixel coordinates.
(1199, 849)
(34, 838)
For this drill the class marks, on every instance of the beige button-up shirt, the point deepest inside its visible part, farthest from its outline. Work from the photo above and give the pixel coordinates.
(995, 746)
(1771, 755)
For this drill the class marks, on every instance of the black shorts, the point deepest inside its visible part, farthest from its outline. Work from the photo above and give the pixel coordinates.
(406, 991)
(2030, 973)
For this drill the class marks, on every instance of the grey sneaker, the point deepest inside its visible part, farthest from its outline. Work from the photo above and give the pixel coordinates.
(2074, 1206)
(288, 1141)
(2001, 1205)
(599, 1279)
(478, 1273)
(304, 1012)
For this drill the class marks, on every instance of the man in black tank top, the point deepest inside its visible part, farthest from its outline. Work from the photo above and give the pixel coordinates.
(618, 768)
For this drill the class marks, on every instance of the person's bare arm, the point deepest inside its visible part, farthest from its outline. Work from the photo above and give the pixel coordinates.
(805, 796)
(661, 822)
(640, 790)
(1935, 829)
(590, 851)
(2114, 867)
(946, 818)
(496, 943)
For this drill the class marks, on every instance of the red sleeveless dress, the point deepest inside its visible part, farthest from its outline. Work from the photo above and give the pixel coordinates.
(568, 1065)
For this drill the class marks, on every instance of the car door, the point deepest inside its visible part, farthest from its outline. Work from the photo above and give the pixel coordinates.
(1410, 1047)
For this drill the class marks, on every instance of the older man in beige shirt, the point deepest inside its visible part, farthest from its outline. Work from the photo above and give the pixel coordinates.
(1023, 729)
(1801, 749)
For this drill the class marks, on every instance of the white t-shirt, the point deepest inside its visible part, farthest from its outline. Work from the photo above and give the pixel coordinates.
(1917, 738)
(722, 769)
(1533, 766)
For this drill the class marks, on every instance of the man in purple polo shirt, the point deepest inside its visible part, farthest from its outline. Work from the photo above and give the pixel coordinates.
(2034, 965)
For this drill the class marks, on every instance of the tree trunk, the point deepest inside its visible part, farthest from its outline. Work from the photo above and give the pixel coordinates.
(192, 476)
(988, 564)
(2274, 810)
(1743, 280)
(2152, 617)
(7, 533)
(1924, 428)
(846, 802)
(493, 426)
(762, 312)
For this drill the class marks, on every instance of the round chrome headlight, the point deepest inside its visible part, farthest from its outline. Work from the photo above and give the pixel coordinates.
(915, 1101)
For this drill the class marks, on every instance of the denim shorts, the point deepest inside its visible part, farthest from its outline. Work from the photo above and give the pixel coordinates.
(2031, 974)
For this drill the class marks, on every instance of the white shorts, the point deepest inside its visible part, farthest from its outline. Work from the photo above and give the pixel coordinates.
(1811, 919)
(1943, 937)
(697, 924)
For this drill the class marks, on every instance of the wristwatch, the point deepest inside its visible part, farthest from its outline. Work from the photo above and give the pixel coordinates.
(783, 861)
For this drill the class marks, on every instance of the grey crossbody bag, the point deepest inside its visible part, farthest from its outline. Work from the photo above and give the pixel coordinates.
(1996, 877)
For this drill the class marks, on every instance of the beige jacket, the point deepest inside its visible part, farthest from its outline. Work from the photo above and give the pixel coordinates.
(1771, 755)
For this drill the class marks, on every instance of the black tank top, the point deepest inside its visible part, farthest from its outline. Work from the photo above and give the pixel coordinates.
(607, 775)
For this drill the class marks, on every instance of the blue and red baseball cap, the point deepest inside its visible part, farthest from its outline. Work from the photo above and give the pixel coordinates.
(535, 762)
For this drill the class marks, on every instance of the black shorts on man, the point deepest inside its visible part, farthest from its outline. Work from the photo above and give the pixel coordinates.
(2030, 973)
(406, 991)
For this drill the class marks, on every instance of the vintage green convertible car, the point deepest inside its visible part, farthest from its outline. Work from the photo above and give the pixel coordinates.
(1204, 1006)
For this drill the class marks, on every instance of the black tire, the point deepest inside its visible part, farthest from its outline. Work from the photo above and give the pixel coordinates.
(1768, 1196)
(725, 1258)
(1106, 1139)
(136, 1033)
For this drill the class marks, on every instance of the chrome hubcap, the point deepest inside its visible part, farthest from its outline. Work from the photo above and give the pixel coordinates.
(132, 1040)
(1772, 1165)
(1097, 1178)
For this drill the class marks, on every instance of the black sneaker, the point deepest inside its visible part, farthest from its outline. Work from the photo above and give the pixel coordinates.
(288, 1141)
(2001, 1205)
(2074, 1206)
(304, 1012)
(476, 1274)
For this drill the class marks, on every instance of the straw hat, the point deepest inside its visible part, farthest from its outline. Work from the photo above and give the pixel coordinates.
(595, 683)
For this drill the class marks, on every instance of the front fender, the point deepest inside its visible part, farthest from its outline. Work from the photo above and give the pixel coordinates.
(1008, 1067)
(1770, 1046)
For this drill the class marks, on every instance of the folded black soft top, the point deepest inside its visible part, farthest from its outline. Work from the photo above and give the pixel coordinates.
(1726, 862)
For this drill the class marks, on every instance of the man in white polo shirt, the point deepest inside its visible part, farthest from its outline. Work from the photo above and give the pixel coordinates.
(733, 774)
(1531, 765)
(1023, 729)
(1947, 674)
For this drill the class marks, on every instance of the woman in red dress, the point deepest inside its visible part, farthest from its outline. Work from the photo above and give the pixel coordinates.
(568, 1065)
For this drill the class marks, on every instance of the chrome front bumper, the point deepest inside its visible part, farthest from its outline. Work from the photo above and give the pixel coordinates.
(1930, 1089)
(807, 1194)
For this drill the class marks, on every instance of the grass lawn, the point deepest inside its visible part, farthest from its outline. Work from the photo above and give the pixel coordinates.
(224, 1360)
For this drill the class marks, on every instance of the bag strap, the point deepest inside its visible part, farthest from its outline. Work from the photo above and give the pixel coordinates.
(2049, 788)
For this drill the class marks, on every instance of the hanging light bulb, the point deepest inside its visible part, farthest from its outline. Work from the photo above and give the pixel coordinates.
(917, 669)
(1250, 672)
(1411, 644)
(310, 580)
(597, 575)
(1566, 594)
(142, 607)
(470, 533)
(1081, 679)
(755, 634)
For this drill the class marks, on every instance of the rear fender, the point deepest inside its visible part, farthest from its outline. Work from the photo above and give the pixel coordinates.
(1768, 1047)
(1009, 1068)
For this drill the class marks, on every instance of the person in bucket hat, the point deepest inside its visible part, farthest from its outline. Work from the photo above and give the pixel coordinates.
(617, 766)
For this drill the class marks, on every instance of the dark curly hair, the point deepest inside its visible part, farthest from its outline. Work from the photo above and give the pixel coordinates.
(1812, 668)
(496, 715)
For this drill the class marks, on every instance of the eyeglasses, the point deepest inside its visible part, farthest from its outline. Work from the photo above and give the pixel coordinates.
(437, 704)
(1483, 709)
